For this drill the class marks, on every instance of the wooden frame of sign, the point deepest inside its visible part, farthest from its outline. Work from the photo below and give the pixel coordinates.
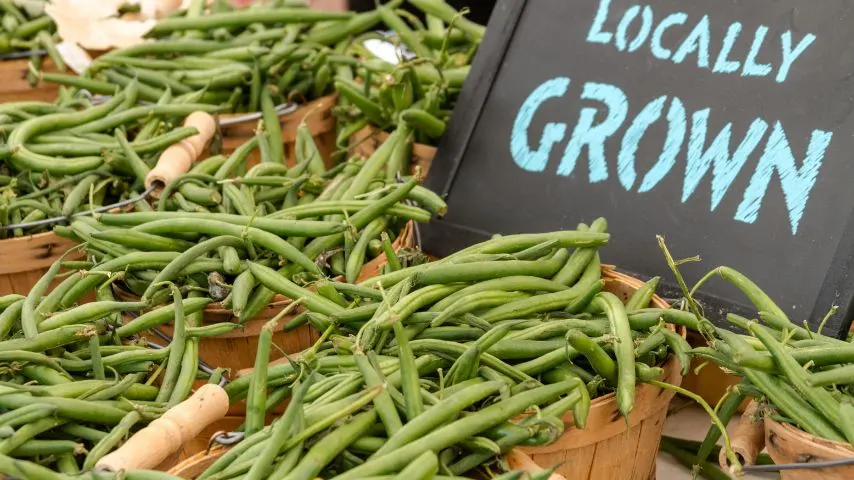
(798, 245)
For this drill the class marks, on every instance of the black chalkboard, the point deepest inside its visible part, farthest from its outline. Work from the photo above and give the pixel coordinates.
(629, 105)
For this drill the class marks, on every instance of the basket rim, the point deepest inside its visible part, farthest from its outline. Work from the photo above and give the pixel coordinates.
(797, 432)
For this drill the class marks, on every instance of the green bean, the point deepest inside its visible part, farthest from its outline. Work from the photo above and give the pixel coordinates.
(29, 318)
(26, 414)
(257, 398)
(247, 17)
(542, 303)
(39, 448)
(9, 317)
(680, 348)
(642, 296)
(88, 313)
(623, 350)
(176, 347)
(68, 408)
(160, 316)
(728, 407)
(356, 259)
(447, 14)
(279, 284)
(601, 362)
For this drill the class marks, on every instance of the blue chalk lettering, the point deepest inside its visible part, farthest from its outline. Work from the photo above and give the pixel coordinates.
(725, 168)
(677, 125)
(594, 137)
(697, 41)
(626, 158)
(622, 28)
(621, 40)
(751, 68)
(671, 20)
(646, 28)
(596, 35)
(797, 182)
(723, 65)
(527, 159)
(789, 55)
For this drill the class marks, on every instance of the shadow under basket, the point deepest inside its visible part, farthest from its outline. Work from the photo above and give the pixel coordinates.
(318, 116)
(367, 140)
(605, 449)
(24, 260)
(787, 444)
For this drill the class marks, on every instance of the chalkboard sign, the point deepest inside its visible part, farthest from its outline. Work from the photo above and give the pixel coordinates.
(726, 127)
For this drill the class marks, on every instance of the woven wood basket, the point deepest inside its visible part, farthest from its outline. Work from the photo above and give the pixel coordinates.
(787, 444)
(604, 450)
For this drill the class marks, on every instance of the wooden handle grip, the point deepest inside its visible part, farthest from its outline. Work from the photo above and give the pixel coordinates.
(748, 439)
(520, 461)
(177, 159)
(150, 446)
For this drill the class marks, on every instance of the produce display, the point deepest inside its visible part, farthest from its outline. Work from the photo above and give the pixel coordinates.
(421, 367)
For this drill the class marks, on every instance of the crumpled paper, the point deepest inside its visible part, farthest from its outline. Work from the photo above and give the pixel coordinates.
(95, 25)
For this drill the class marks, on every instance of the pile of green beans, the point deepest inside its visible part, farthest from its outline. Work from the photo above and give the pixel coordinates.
(798, 376)
(71, 156)
(231, 57)
(420, 92)
(214, 223)
(27, 28)
(444, 357)
(76, 380)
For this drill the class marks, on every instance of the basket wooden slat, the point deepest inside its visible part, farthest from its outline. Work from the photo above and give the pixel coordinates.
(318, 116)
(787, 444)
(24, 260)
(14, 86)
(368, 140)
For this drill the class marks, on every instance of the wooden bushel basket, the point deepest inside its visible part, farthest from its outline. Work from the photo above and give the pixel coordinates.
(787, 444)
(367, 140)
(318, 116)
(605, 450)
(14, 86)
(23, 260)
